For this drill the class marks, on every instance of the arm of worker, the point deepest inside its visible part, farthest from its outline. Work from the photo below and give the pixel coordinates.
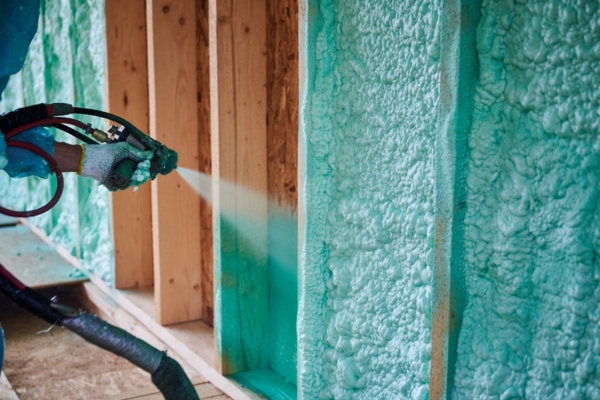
(93, 161)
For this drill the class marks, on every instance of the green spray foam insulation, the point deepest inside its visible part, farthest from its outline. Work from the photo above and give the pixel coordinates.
(368, 95)
(246, 223)
(281, 253)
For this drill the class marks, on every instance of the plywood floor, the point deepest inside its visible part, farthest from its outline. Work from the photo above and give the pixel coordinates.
(32, 261)
(58, 364)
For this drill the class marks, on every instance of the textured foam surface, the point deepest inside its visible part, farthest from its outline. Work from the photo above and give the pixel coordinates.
(66, 63)
(532, 323)
(368, 125)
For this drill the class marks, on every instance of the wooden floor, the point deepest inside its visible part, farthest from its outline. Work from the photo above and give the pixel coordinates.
(84, 371)
(57, 364)
(32, 261)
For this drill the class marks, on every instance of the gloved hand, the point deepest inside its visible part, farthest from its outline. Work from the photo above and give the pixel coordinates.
(100, 160)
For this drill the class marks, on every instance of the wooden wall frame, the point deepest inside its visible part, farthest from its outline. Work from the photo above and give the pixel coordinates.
(204, 153)
(221, 88)
(254, 138)
(127, 94)
(174, 122)
(238, 78)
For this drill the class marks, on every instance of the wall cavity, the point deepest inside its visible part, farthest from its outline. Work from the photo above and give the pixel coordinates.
(368, 125)
(532, 238)
(66, 63)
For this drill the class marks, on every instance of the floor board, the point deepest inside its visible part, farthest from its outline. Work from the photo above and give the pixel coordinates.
(6, 390)
(57, 364)
(34, 262)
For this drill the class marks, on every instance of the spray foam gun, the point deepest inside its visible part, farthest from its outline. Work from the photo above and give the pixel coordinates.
(22, 119)
(166, 373)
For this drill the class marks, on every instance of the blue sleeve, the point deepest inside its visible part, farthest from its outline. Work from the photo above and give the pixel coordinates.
(18, 24)
(22, 162)
(3, 159)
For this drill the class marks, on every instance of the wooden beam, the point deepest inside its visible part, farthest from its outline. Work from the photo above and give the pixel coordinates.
(34, 262)
(282, 92)
(282, 172)
(187, 340)
(174, 122)
(203, 88)
(238, 77)
(127, 87)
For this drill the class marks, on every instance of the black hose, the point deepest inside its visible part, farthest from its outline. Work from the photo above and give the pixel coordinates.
(23, 115)
(171, 380)
(104, 114)
(32, 301)
(77, 134)
(166, 373)
(115, 340)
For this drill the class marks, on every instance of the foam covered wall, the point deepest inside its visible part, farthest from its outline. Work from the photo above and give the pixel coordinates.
(526, 174)
(367, 141)
(531, 325)
(66, 63)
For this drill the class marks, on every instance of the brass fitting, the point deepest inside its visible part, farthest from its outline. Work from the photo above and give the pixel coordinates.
(99, 135)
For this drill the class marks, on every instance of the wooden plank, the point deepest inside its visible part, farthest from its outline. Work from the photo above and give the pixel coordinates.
(282, 170)
(174, 122)
(102, 305)
(197, 335)
(203, 88)
(183, 345)
(34, 262)
(238, 131)
(458, 31)
(267, 383)
(6, 390)
(282, 93)
(127, 93)
(203, 389)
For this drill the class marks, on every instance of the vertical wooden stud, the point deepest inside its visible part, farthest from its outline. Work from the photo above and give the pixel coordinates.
(174, 122)
(282, 87)
(238, 94)
(203, 86)
(127, 87)
(282, 173)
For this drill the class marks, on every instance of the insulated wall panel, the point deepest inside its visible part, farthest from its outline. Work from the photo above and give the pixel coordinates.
(532, 320)
(369, 83)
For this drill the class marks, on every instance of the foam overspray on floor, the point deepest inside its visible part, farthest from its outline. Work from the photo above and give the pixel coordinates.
(66, 63)
(368, 124)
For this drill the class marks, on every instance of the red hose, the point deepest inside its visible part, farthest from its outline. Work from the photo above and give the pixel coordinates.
(41, 122)
(11, 278)
(53, 166)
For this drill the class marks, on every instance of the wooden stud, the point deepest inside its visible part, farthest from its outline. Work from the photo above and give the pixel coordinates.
(203, 87)
(282, 172)
(127, 87)
(282, 116)
(238, 77)
(174, 122)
